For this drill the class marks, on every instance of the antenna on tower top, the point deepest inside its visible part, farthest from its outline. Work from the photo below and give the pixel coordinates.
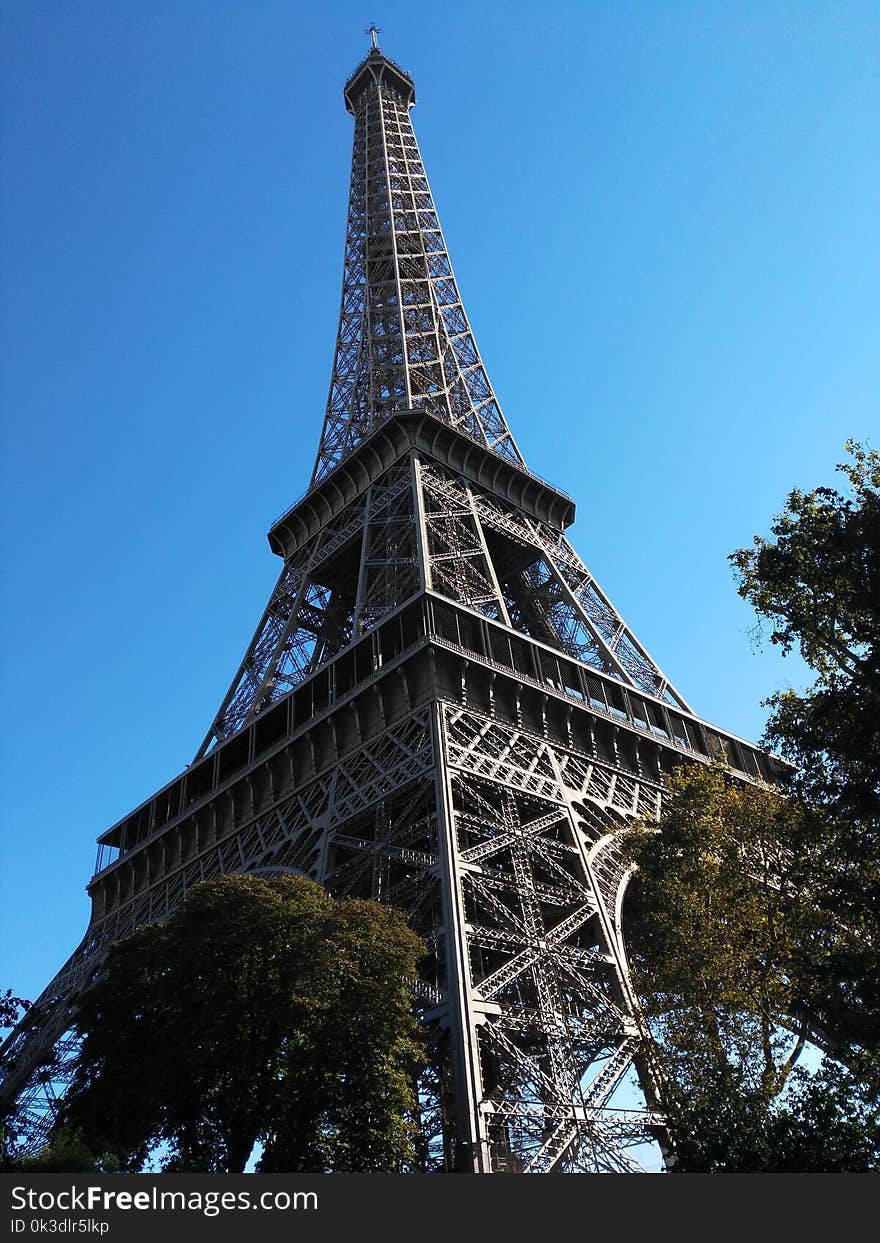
(373, 31)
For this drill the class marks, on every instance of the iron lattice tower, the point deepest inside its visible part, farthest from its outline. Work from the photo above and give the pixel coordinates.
(439, 708)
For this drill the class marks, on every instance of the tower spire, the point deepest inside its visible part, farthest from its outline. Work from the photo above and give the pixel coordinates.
(404, 341)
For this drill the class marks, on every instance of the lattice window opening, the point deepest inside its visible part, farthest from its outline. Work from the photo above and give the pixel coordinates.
(435, 1093)
(555, 861)
(504, 915)
(385, 589)
(457, 569)
(476, 831)
(416, 297)
(391, 537)
(426, 374)
(421, 339)
(37, 1103)
(571, 1067)
(494, 905)
(526, 1084)
(534, 598)
(439, 267)
(528, 620)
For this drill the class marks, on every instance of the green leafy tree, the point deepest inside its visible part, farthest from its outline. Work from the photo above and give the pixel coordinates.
(12, 1008)
(825, 1122)
(66, 1154)
(263, 1010)
(355, 1068)
(726, 947)
(756, 928)
(817, 583)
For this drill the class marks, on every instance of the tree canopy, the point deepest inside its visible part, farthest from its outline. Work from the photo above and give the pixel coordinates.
(730, 959)
(11, 1010)
(262, 1011)
(818, 584)
(754, 920)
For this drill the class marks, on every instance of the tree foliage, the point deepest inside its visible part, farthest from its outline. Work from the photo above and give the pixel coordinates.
(263, 1010)
(66, 1153)
(757, 910)
(825, 1122)
(717, 931)
(12, 1008)
(730, 959)
(818, 584)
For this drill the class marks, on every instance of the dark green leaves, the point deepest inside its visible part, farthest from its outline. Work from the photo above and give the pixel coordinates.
(740, 959)
(818, 583)
(262, 1011)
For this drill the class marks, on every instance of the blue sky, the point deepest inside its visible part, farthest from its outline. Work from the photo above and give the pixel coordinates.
(664, 222)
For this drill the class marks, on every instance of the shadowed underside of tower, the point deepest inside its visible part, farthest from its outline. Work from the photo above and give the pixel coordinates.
(439, 709)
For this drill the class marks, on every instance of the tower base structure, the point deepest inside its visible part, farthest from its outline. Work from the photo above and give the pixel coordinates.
(441, 760)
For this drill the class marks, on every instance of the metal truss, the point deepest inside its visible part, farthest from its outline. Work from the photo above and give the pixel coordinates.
(541, 883)
(331, 591)
(522, 882)
(541, 586)
(439, 709)
(419, 526)
(510, 870)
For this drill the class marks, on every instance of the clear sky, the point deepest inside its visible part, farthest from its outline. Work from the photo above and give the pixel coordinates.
(664, 220)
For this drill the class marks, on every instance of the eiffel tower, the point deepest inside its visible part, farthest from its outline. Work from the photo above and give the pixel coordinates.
(440, 709)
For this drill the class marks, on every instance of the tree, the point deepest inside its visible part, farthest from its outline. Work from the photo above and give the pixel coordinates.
(726, 946)
(356, 1069)
(756, 926)
(66, 1154)
(818, 583)
(12, 1008)
(825, 1122)
(263, 1010)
